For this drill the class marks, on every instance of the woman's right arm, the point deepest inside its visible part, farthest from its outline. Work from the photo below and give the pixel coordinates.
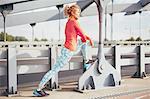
(80, 31)
(83, 36)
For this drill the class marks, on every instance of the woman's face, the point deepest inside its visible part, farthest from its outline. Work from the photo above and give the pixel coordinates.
(76, 14)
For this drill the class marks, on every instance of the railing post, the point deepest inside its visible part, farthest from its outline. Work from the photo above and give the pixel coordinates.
(53, 83)
(142, 61)
(11, 72)
(141, 67)
(117, 59)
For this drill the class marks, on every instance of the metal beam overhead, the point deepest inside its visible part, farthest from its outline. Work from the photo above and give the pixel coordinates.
(118, 8)
(39, 15)
(38, 4)
(53, 14)
(139, 5)
(5, 2)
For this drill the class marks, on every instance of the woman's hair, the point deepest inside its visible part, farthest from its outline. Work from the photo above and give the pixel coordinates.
(69, 9)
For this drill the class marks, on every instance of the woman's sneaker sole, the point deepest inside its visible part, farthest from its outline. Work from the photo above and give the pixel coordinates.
(38, 93)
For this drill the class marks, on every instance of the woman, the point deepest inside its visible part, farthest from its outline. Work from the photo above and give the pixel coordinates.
(71, 46)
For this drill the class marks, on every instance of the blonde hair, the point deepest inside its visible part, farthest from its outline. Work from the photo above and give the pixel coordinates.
(69, 9)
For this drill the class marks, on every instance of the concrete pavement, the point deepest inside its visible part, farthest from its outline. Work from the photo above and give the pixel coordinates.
(131, 88)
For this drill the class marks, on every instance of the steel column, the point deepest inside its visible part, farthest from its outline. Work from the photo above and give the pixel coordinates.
(11, 71)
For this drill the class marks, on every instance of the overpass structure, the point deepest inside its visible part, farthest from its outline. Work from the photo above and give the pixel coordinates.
(37, 11)
(101, 73)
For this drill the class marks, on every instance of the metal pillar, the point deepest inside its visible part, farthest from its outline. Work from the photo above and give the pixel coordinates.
(32, 25)
(5, 9)
(59, 7)
(105, 23)
(140, 33)
(111, 14)
(4, 19)
(141, 68)
(142, 63)
(11, 56)
(101, 73)
(11, 72)
(117, 59)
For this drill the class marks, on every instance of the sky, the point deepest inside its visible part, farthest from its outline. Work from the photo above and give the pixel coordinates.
(123, 26)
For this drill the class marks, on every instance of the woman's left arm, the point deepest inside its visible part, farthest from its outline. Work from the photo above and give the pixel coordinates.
(91, 41)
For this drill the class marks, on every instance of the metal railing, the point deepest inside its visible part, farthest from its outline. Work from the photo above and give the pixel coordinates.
(38, 57)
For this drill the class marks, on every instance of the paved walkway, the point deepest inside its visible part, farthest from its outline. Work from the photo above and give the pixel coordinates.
(131, 88)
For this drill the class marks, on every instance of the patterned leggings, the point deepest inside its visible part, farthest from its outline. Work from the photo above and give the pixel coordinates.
(62, 60)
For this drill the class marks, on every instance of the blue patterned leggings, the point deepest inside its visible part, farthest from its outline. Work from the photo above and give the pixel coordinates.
(62, 60)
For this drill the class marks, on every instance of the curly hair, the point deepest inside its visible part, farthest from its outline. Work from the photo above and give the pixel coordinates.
(69, 9)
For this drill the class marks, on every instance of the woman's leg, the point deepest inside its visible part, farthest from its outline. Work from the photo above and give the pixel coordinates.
(79, 46)
(85, 53)
(84, 47)
(60, 62)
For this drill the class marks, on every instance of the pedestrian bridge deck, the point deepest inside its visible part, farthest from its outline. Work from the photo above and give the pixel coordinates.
(130, 88)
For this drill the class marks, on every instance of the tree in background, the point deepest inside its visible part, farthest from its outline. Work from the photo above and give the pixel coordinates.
(130, 39)
(138, 39)
(1, 36)
(36, 39)
(44, 39)
(106, 39)
(12, 38)
(20, 38)
(8, 37)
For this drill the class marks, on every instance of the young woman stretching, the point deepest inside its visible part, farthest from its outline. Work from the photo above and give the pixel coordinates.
(72, 46)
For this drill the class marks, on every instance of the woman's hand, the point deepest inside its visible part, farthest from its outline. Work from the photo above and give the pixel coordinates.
(91, 41)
